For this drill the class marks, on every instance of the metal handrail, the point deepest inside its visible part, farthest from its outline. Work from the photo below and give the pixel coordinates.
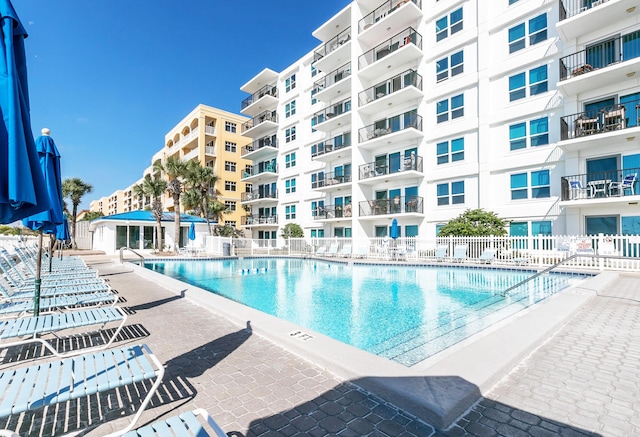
(574, 256)
(122, 249)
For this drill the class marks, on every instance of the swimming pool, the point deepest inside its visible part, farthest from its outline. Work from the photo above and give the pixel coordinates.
(403, 313)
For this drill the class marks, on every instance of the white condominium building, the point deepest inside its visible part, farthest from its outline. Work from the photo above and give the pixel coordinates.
(421, 109)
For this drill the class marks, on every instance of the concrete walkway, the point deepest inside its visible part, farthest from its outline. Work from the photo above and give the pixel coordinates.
(583, 381)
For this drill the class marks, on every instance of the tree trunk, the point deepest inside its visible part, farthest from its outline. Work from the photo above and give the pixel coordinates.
(176, 222)
(159, 235)
(74, 214)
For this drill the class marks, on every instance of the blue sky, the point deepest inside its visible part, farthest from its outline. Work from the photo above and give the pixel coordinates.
(111, 78)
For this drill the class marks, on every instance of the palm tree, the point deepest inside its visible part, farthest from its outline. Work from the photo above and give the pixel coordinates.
(175, 169)
(155, 186)
(138, 191)
(74, 189)
(202, 179)
(192, 202)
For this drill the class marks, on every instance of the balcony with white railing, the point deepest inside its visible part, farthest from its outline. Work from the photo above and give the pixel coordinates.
(210, 130)
(210, 150)
(186, 139)
(191, 155)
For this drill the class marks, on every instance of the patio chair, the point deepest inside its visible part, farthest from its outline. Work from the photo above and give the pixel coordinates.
(333, 250)
(441, 253)
(37, 386)
(33, 327)
(618, 188)
(578, 191)
(346, 251)
(185, 424)
(360, 252)
(460, 253)
(321, 251)
(25, 306)
(487, 256)
(49, 290)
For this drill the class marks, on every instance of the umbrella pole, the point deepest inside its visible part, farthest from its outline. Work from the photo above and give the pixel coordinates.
(50, 252)
(36, 301)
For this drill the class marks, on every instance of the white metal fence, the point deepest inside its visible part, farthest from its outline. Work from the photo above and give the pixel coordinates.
(622, 251)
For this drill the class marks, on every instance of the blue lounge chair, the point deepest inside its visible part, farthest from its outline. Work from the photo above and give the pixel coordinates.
(45, 384)
(487, 256)
(460, 253)
(441, 253)
(32, 327)
(185, 424)
(19, 307)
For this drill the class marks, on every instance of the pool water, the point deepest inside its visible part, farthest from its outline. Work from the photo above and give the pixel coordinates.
(403, 313)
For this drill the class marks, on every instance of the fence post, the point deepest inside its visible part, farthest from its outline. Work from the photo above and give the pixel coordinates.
(540, 253)
(600, 260)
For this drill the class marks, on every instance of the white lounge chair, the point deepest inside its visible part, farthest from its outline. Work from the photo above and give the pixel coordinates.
(45, 384)
(487, 256)
(321, 251)
(441, 253)
(360, 252)
(460, 253)
(185, 424)
(333, 250)
(346, 251)
(18, 307)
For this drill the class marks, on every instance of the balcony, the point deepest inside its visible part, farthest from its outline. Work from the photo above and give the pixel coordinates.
(210, 130)
(599, 128)
(329, 181)
(333, 84)
(186, 139)
(388, 16)
(578, 17)
(257, 195)
(406, 87)
(209, 150)
(611, 61)
(396, 168)
(335, 52)
(261, 124)
(601, 187)
(397, 129)
(332, 116)
(397, 205)
(260, 149)
(255, 173)
(402, 48)
(329, 212)
(252, 105)
(324, 150)
(193, 154)
(257, 221)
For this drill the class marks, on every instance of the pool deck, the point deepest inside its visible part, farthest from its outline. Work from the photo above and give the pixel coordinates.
(582, 377)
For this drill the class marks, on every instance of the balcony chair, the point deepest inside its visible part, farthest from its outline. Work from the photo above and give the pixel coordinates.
(578, 191)
(628, 183)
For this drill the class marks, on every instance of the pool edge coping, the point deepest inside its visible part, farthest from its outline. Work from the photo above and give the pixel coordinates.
(439, 393)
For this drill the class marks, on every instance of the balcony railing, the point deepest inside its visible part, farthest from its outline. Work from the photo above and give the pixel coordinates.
(257, 195)
(210, 150)
(390, 125)
(333, 77)
(210, 130)
(407, 36)
(593, 122)
(389, 86)
(332, 211)
(601, 55)
(335, 42)
(268, 141)
(331, 111)
(391, 166)
(328, 179)
(191, 155)
(599, 185)
(569, 8)
(382, 11)
(336, 143)
(267, 90)
(263, 167)
(397, 205)
(250, 220)
(261, 118)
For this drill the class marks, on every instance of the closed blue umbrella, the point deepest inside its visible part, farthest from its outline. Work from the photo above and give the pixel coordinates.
(62, 230)
(395, 230)
(22, 186)
(48, 220)
(192, 231)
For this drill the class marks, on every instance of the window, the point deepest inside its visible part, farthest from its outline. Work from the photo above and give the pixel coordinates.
(443, 71)
(232, 223)
(230, 166)
(456, 104)
(512, 1)
(538, 134)
(290, 160)
(537, 33)
(230, 147)
(313, 99)
(534, 185)
(290, 109)
(230, 205)
(450, 193)
(230, 186)
(290, 134)
(230, 127)
(317, 233)
(450, 151)
(449, 24)
(290, 83)
(290, 212)
(314, 71)
(538, 83)
(290, 186)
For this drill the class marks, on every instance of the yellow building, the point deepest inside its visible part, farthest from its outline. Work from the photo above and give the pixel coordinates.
(212, 137)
